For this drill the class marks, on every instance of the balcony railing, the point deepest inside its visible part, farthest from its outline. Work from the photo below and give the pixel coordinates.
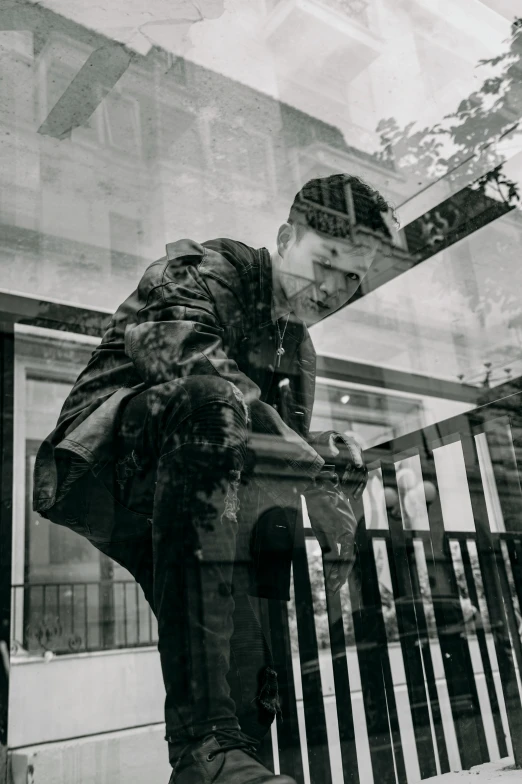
(432, 597)
(414, 669)
(77, 617)
(429, 628)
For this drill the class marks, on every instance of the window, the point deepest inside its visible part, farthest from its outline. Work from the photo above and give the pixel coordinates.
(177, 68)
(121, 122)
(373, 417)
(240, 151)
(125, 244)
(68, 597)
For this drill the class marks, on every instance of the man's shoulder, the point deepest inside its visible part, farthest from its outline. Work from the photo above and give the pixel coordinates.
(241, 257)
(231, 264)
(237, 253)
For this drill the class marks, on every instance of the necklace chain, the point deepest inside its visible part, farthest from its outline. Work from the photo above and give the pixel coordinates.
(280, 351)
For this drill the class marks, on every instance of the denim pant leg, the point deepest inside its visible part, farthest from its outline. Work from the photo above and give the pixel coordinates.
(163, 432)
(128, 483)
(195, 431)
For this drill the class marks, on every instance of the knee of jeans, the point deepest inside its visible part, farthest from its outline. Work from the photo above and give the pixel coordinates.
(212, 389)
(176, 400)
(213, 421)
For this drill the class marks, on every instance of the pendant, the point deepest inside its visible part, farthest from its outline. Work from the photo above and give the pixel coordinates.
(280, 351)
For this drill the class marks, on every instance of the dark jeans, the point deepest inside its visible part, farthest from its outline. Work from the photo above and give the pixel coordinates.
(178, 508)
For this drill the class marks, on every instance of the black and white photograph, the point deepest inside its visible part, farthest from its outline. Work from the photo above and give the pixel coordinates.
(260, 392)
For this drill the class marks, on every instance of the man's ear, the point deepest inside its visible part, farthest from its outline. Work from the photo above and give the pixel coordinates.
(285, 238)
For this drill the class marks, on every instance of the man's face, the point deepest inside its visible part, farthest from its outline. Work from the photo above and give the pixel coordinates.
(320, 274)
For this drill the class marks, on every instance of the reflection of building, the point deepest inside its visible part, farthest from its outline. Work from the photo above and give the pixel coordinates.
(176, 149)
(342, 32)
(199, 155)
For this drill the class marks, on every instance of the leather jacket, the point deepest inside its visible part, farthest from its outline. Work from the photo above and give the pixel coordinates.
(201, 309)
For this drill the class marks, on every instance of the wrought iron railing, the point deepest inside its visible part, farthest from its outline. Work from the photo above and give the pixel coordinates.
(429, 628)
(439, 604)
(66, 617)
(414, 669)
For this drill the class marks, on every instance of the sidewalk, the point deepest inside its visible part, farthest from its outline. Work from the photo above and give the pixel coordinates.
(502, 772)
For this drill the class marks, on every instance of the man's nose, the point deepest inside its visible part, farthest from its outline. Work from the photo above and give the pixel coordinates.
(325, 289)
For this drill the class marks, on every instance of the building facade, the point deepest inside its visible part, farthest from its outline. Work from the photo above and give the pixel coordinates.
(123, 132)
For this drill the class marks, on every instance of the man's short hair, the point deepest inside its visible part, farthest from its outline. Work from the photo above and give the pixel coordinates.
(334, 205)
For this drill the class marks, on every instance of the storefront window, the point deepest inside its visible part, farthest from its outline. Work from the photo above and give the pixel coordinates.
(319, 202)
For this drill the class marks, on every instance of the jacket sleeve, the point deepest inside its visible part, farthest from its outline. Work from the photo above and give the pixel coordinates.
(306, 390)
(180, 332)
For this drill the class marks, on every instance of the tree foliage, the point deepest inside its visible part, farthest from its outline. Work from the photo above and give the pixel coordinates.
(463, 144)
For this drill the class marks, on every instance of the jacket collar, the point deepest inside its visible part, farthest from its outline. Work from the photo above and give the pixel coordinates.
(264, 294)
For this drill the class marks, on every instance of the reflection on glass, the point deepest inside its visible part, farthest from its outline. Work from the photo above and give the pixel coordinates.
(376, 500)
(455, 499)
(495, 517)
(129, 128)
(413, 494)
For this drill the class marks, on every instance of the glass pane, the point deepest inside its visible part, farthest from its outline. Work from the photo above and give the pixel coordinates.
(63, 599)
(412, 494)
(248, 249)
(455, 500)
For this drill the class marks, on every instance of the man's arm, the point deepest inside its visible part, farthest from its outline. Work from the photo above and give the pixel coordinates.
(345, 454)
(180, 332)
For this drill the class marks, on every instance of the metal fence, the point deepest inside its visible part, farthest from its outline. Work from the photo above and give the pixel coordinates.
(414, 669)
(420, 670)
(81, 616)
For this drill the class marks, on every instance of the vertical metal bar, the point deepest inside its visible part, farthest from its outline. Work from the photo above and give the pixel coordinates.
(515, 556)
(72, 610)
(137, 591)
(6, 528)
(26, 613)
(313, 701)
(427, 662)
(511, 596)
(374, 664)
(290, 759)
(125, 637)
(14, 601)
(456, 657)
(427, 659)
(342, 689)
(106, 602)
(483, 647)
(412, 635)
(85, 619)
(100, 620)
(490, 557)
(58, 610)
(505, 468)
(266, 751)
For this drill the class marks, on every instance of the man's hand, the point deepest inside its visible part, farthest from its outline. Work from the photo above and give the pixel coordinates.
(345, 453)
(334, 524)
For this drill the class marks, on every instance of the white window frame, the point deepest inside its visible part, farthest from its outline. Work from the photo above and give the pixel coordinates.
(107, 132)
(25, 367)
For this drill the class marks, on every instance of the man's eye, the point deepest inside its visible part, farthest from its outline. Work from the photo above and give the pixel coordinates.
(325, 263)
(352, 276)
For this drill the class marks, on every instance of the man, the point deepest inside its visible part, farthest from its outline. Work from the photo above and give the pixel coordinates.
(183, 451)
